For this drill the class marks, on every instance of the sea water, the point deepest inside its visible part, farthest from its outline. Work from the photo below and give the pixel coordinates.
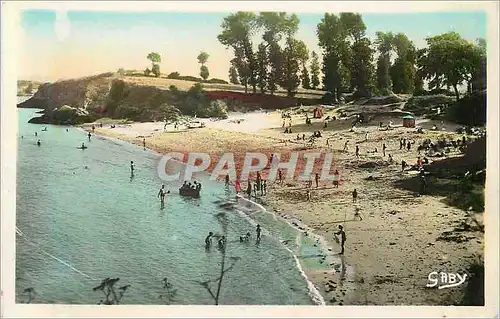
(82, 218)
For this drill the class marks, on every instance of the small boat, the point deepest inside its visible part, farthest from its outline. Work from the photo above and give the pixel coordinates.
(189, 192)
(82, 147)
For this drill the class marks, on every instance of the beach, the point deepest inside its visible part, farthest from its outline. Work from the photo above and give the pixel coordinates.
(395, 246)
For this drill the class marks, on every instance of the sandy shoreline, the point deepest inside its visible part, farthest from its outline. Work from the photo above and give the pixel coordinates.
(394, 247)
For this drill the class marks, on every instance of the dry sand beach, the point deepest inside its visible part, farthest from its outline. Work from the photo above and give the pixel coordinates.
(396, 244)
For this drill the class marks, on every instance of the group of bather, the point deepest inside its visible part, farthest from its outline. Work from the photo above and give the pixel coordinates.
(193, 186)
(222, 241)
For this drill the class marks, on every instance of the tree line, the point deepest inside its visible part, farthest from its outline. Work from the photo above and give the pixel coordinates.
(351, 61)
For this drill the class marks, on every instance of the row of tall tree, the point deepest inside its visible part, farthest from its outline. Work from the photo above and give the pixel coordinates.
(351, 62)
(279, 57)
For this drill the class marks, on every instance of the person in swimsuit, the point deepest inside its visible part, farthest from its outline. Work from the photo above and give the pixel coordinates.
(222, 243)
(162, 193)
(132, 167)
(89, 135)
(144, 143)
(258, 231)
(38, 143)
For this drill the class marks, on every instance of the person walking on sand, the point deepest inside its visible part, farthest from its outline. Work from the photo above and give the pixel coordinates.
(357, 151)
(341, 232)
(384, 147)
(357, 213)
(258, 231)
(208, 240)
(400, 143)
(345, 146)
(280, 176)
(354, 196)
(408, 145)
(93, 128)
(237, 186)
(403, 165)
(366, 137)
(249, 189)
(316, 179)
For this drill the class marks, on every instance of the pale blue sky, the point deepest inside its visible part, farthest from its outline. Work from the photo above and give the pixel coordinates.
(93, 42)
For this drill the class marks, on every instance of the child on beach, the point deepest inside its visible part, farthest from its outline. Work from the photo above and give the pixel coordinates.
(357, 213)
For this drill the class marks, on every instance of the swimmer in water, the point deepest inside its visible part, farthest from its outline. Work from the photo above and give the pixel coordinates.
(38, 143)
(162, 194)
(132, 167)
(89, 135)
(83, 145)
(222, 243)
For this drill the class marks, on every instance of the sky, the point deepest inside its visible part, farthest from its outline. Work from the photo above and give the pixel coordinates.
(70, 44)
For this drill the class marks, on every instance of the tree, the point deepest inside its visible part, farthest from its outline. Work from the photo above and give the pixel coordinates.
(237, 30)
(155, 58)
(449, 60)
(304, 77)
(384, 43)
(202, 58)
(403, 70)
(295, 52)
(233, 75)
(276, 26)
(262, 62)
(156, 70)
(362, 67)
(332, 39)
(204, 72)
(314, 70)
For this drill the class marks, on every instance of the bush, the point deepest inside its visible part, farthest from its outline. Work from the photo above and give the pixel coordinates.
(121, 71)
(147, 72)
(174, 75)
(469, 110)
(217, 109)
(217, 81)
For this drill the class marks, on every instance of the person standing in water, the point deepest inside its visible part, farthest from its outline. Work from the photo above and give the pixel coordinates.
(132, 167)
(36, 134)
(208, 240)
(144, 143)
(258, 231)
(161, 194)
(227, 180)
(341, 232)
(89, 135)
(38, 143)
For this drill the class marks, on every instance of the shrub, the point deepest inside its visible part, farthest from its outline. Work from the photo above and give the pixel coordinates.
(469, 110)
(147, 72)
(174, 75)
(217, 81)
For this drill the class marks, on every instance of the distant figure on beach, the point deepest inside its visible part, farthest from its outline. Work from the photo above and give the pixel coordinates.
(144, 143)
(264, 187)
(303, 136)
(93, 127)
(400, 143)
(391, 160)
(83, 145)
(316, 179)
(341, 232)
(255, 189)
(237, 186)
(222, 243)
(249, 189)
(36, 134)
(336, 178)
(357, 151)
(366, 137)
(403, 165)
(38, 143)
(354, 196)
(423, 184)
(283, 123)
(132, 167)
(67, 130)
(384, 147)
(357, 213)
(280, 176)
(44, 129)
(258, 231)
(208, 240)
(308, 194)
(345, 146)
(245, 239)
(100, 125)
(408, 145)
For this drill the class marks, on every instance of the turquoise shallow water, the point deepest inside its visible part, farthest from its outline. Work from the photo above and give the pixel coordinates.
(78, 226)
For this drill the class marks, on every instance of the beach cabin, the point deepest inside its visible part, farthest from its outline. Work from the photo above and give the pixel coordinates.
(318, 112)
(408, 121)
